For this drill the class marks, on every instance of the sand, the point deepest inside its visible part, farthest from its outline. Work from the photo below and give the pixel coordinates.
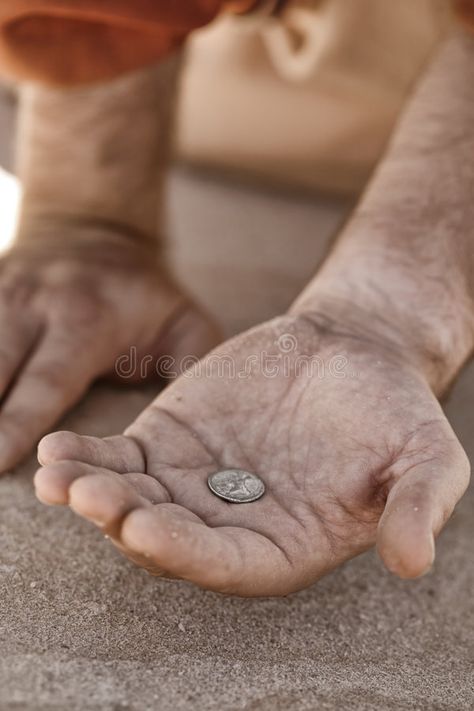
(81, 629)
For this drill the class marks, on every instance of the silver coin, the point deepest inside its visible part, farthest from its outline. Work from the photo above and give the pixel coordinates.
(236, 486)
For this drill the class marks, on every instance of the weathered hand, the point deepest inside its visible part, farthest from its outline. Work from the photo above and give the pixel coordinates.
(67, 311)
(350, 458)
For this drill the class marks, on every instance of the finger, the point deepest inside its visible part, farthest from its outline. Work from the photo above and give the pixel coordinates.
(148, 487)
(52, 482)
(228, 559)
(54, 378)
(17, 339)
(95, 499)
(120, 454)
(102, 499)
(418, 506)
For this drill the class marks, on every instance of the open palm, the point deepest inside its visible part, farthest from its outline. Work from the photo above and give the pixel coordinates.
(352, 445)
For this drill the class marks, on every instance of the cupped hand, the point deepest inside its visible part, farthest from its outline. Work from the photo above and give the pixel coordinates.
(68, 310)
(350, 441)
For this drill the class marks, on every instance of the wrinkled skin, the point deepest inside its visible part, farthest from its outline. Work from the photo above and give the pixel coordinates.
(65, 317)
(350, 458)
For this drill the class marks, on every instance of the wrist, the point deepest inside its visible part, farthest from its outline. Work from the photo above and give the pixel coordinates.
(57, 235)
(99, 152)
(434, 340)
(41, 212)
(404, 264)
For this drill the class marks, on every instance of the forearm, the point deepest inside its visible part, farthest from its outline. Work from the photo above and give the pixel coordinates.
(97, 155)
(407, 255)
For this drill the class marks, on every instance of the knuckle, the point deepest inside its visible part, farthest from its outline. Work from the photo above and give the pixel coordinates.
(81, 309)
(45, 378)
(16, 289)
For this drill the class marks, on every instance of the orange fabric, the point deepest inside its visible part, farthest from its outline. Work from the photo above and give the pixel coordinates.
(465, 8)
(75, 41)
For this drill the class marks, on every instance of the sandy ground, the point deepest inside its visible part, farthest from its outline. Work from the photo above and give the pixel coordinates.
(81, 629)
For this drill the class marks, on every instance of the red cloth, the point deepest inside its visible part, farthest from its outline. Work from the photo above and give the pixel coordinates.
(69, 42)
(465, 9)
(74, 41)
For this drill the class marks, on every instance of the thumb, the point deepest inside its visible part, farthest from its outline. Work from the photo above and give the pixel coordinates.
(417, 507)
